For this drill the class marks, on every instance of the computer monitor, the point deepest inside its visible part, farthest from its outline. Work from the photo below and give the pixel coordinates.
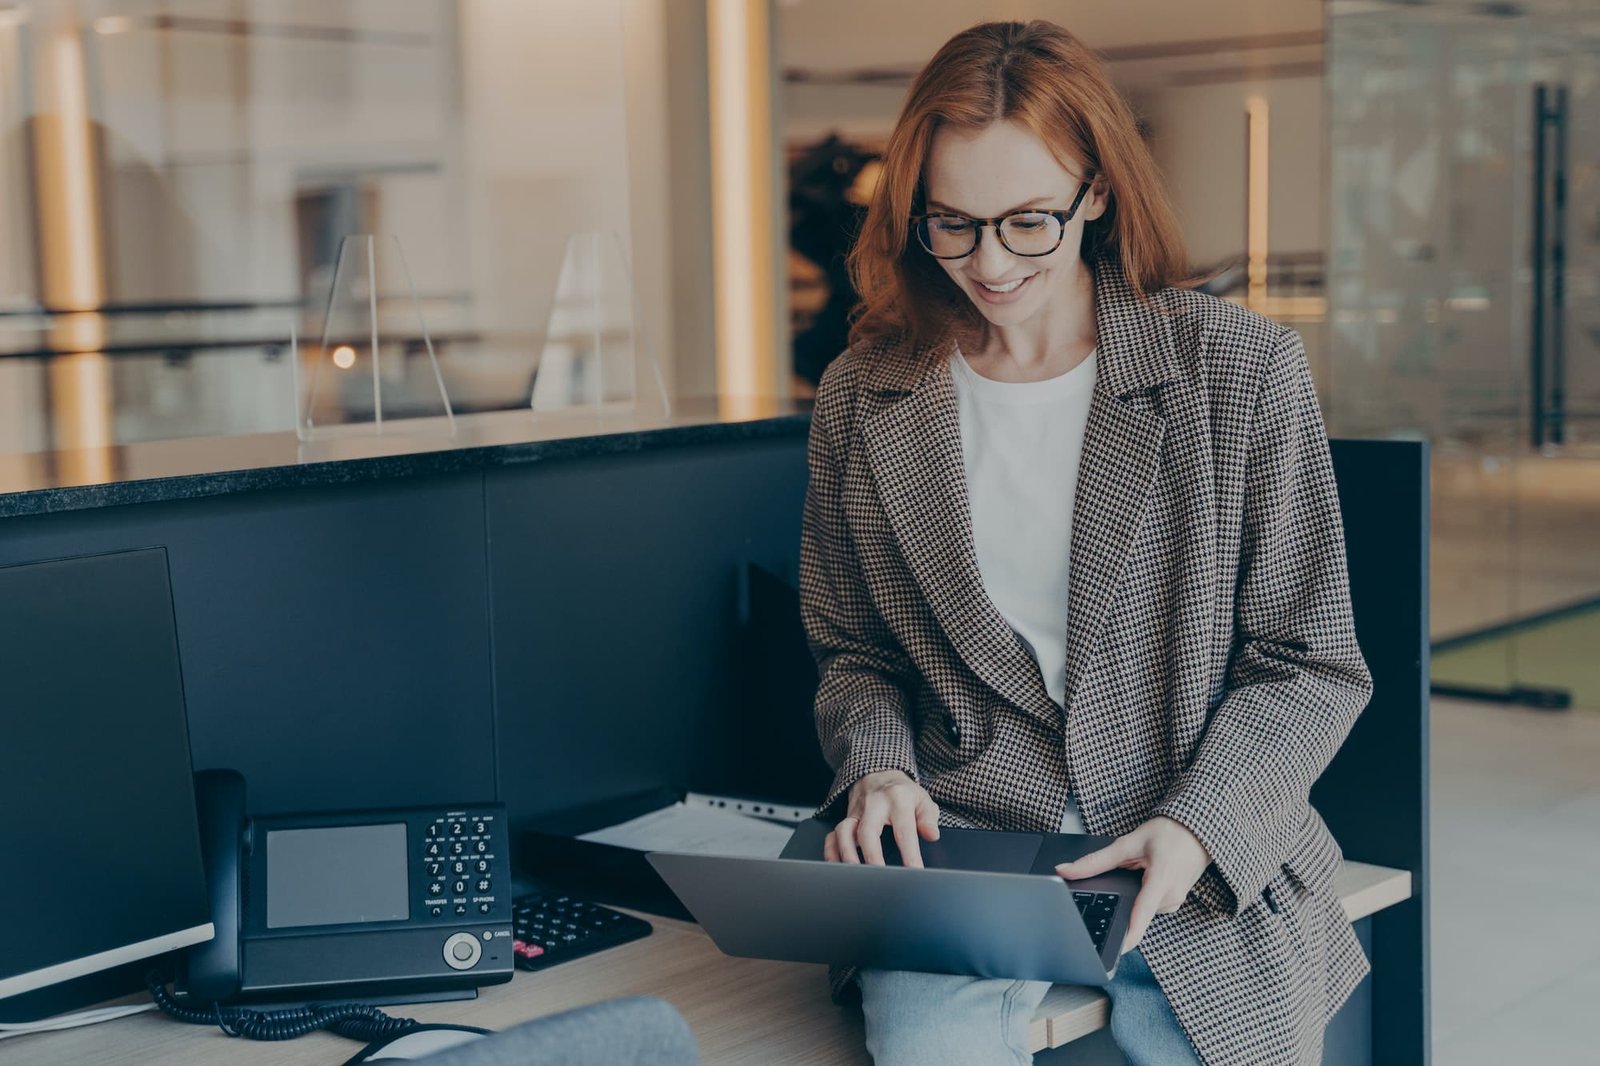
(100, 842)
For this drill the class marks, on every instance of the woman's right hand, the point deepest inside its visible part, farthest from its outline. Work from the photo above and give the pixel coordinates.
(891, 798)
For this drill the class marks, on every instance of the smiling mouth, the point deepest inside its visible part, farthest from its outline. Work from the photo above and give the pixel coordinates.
(1010, 286)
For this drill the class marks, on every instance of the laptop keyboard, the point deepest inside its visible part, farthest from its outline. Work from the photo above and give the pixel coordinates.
(1097, 909)
(552, 928)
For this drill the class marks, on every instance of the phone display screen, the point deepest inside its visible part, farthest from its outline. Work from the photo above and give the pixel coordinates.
(337, 875)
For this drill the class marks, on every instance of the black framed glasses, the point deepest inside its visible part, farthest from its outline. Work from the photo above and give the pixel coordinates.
(1031, 233)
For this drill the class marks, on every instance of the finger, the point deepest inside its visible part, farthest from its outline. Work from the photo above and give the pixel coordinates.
(1144, 908)
(928, 817)
(844, 836)
(869, 831)
(1117, 853)
(904, 821)
(830, 850)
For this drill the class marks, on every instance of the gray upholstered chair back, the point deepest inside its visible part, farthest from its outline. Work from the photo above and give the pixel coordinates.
(641, 1031)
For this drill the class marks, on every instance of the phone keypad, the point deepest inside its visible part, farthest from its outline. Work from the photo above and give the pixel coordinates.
(461, 868)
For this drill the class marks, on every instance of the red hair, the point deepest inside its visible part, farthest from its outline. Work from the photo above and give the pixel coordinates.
(1042, 77)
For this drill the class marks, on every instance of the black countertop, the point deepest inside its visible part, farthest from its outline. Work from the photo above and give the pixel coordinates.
(154, 471)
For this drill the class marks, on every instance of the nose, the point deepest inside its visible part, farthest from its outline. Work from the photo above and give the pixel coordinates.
(991, 259)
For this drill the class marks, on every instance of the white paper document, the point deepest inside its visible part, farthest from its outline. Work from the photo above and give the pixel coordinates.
(699, 830)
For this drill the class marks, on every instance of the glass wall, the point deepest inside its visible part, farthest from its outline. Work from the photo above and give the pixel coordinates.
(1464, 307)
(176, 177)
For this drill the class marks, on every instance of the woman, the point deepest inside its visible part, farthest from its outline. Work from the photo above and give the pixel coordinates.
(1072, 559)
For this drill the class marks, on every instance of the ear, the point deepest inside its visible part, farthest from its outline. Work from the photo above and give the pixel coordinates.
(1098, 199)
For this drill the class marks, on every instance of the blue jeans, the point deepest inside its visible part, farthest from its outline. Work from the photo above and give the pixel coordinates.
(922, 1018)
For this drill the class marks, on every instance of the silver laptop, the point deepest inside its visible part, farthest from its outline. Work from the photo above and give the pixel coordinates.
(989, 904)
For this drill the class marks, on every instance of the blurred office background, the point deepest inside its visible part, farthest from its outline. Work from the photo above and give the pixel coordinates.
(1415, 186)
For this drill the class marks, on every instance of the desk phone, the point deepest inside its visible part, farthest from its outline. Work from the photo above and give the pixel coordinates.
(349, 906)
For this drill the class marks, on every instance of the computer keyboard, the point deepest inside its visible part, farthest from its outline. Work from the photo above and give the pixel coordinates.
(550, 928)
(1097, 909)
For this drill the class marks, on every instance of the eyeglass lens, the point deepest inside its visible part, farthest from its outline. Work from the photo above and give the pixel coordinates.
(1024, 233)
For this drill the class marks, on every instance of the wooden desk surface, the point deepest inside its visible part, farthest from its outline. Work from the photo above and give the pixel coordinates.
(742, 1011)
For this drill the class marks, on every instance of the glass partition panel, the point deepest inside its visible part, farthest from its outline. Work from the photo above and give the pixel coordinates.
(598, 358)
(18, 284)
(191, 168)
(374, 368)
(1464, 306)
(23, 387)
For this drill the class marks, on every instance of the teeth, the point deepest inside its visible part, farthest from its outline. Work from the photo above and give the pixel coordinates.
(1008, 287)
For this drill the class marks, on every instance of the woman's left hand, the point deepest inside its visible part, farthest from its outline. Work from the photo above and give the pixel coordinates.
(1171, 857)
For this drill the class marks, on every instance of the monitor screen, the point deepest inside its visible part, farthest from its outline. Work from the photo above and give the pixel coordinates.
(100, 841)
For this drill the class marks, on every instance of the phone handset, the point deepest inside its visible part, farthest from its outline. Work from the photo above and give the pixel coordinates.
(209, 972)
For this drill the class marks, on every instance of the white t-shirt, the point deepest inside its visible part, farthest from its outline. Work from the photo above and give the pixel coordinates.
(1021, 443)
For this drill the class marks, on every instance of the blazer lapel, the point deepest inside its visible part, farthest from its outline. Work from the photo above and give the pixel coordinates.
(914, 451)
(1121, 455)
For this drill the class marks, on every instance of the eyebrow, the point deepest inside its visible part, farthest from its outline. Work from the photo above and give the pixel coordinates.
(1035, 202)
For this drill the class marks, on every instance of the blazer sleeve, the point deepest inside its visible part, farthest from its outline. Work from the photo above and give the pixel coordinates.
(864, 676)
(1296, 680)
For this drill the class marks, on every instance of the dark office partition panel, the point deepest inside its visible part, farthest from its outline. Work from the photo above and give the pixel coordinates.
(1348, 1038)
(1375, 794)
(779, 675)
(337, 644)
(615, 587)
(334, 641)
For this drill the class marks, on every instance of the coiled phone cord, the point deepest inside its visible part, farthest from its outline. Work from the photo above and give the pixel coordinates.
(354, 1021)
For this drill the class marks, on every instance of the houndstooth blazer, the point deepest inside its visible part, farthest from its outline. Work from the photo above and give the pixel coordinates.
(1212, 666)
